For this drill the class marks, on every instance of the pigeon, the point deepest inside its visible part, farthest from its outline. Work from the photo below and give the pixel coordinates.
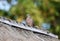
(29, 20)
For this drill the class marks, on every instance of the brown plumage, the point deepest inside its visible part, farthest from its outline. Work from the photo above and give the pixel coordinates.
(29, 21)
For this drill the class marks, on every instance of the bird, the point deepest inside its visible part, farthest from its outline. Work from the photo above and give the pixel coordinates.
(29, 20)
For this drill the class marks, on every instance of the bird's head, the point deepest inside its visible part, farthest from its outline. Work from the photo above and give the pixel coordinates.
(28, 15)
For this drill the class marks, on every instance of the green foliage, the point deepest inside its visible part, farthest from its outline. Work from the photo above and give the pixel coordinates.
(9, 1)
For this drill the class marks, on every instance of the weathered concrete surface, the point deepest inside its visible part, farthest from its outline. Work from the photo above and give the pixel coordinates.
(8, 33)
